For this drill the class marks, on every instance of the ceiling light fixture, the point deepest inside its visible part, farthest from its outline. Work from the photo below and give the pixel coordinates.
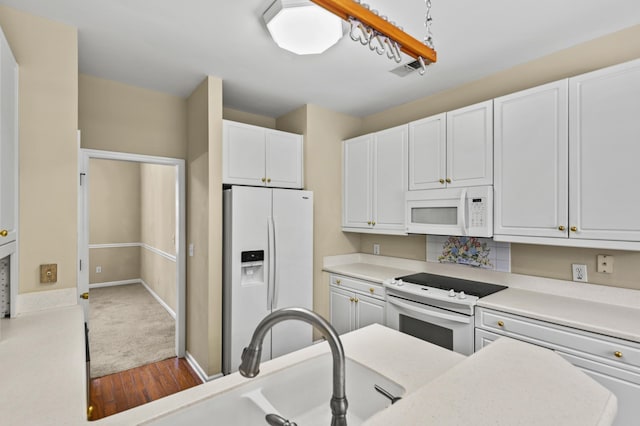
(381, 35)
(302, 27)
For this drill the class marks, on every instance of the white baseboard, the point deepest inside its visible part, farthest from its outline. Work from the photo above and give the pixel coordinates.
(159, 299)
(114, 283)
(41, 300)
(199, 371)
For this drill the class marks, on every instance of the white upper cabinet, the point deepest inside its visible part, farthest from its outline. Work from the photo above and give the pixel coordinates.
(258, 156)
(566, 161)
(531, 162)
(374, 182)
(8, 143)
(604, 147)
(428, 152)
(357, 207)
(453, 149)
(470, 145)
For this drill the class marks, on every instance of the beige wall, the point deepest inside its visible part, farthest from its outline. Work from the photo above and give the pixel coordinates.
(114, 218)
(118, 117)
(114, 201)
(158, 225)
(545, 261)
(323, 132)
(158, 206)
(204, 225)
(248, 118)
(47, 54)
(117, 263)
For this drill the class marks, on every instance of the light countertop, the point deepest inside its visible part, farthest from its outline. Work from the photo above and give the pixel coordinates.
(45, 383)
(600, 309)
(43, 376)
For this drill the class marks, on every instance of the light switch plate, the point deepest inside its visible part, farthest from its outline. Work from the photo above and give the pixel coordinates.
(605, 263)
(49, 273)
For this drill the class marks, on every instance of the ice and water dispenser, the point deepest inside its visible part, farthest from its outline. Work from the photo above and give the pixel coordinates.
(252, 264)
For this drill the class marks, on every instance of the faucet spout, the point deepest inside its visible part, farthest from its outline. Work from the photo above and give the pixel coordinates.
(250, 366)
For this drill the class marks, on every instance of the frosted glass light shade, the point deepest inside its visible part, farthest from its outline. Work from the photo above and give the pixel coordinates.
(302, 27)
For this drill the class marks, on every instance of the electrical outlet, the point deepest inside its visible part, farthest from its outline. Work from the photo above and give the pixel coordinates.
(98, 269)
(579, 272)
(376, 249)
(605, 263)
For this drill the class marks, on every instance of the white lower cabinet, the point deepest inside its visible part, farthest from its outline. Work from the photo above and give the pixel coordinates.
(355, 303)
(612, 362)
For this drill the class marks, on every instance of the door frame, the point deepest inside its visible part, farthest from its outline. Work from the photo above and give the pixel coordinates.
(180, 242)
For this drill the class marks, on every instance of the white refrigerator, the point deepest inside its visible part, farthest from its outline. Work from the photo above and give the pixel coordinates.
(268, 265)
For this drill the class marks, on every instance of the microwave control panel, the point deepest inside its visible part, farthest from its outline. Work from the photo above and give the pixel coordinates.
(478, 214)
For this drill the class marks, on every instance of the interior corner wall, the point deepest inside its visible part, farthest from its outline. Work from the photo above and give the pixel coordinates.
(114, 219)
(545, 261)
(47, 55)
(248, 118)
(197, 171)
(323, 132)
(118, 117)
(157, 230)
(214, 121)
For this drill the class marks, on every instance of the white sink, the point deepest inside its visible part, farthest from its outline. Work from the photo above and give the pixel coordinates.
(300, 393)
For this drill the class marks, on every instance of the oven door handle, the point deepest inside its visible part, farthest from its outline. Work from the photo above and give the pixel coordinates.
(455, 318)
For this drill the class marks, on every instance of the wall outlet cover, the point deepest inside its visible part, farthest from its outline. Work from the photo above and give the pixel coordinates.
(579, 272)
(376, 249)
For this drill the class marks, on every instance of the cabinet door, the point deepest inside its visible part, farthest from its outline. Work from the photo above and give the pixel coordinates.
(427, 152)
(470, 145)
(357, 174)
(368, 311)
(243, 154)
(604, 150)
(8, 143)
(283, 159)
(390, 179)
(531, 162)
(342, 310)
(624, 384)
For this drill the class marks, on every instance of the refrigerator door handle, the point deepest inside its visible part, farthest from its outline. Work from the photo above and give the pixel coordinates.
(272, 268)
(274, 257)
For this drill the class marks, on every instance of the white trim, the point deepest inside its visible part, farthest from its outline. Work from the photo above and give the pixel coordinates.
(199, 371)
(159, 299)
(115, 283)
(570, 242)
(114, 245)
(157, 251)
(41, 300)
(180, 232)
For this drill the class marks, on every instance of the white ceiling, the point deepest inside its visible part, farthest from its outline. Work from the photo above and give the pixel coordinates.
(170, 45)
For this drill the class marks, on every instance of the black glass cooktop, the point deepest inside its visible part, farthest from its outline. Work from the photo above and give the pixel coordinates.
(474, 288)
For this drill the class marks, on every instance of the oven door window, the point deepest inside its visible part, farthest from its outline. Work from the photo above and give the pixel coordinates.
(426, 331)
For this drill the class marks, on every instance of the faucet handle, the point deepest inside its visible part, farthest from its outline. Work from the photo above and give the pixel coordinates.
(276, 420)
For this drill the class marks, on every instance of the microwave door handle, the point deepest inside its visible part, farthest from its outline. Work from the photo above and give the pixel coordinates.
(455, 318)
(462, 211)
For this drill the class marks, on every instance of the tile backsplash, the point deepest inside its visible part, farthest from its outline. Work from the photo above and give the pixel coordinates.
(472, 251)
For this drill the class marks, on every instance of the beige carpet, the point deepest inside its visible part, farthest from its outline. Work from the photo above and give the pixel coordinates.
(127, 328)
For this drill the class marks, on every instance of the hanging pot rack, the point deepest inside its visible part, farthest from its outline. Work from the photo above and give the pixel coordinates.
(351, 11)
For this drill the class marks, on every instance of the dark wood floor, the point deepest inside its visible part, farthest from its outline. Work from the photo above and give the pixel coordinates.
(121, 391)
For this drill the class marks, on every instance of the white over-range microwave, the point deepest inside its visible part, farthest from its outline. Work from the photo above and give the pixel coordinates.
(451, 211)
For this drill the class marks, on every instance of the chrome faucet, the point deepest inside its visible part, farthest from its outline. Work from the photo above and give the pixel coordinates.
(250, 366)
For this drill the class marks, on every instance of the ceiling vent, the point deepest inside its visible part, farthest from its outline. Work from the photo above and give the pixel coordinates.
(406, 69)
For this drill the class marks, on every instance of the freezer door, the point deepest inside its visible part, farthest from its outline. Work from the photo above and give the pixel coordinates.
(245, 290)
(292, 213)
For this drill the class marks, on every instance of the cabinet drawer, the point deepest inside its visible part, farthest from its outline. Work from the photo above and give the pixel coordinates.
(365, 287)
(615, 351)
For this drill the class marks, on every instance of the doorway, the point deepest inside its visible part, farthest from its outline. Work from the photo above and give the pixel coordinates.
(160, 238)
